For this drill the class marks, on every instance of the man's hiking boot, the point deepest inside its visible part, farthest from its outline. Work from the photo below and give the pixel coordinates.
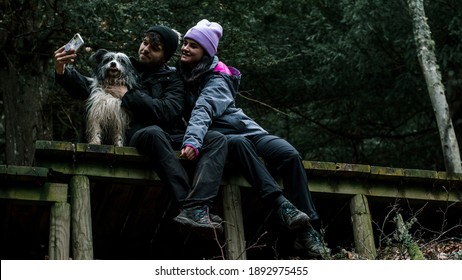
(309, 242)
(198, 219)
(291, 217)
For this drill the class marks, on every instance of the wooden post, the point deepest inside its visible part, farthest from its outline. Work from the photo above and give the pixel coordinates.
(362, 227)
(82, 238)
(233, 225)
(60, 231)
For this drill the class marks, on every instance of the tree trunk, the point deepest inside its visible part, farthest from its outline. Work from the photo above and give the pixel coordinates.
(25, 119)
(426, 54)
(24, 85)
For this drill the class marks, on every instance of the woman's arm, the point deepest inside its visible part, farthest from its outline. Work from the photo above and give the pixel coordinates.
(214, 99)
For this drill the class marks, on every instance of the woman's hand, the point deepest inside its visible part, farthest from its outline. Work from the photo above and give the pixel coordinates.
(188, 152)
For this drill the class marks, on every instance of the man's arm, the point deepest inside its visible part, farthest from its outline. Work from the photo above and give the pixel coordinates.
(77, 85)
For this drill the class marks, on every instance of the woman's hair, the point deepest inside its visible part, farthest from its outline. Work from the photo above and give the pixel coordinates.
(192, 76)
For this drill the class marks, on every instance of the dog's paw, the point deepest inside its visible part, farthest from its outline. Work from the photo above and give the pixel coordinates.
(119, 141)
(94, 141)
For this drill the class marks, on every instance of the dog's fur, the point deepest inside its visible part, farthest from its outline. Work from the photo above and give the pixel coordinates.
(107, 121)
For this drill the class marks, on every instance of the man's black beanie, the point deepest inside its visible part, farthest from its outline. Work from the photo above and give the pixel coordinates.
(170, 38)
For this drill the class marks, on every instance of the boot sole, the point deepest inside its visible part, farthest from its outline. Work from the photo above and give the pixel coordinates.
(206, 231)
(309, 254)
(301, 223)
(302, 251)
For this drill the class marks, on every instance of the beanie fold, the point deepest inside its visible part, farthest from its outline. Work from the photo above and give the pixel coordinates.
(207, 34)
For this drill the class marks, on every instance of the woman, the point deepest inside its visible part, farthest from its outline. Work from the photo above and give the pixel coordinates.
(211, 88)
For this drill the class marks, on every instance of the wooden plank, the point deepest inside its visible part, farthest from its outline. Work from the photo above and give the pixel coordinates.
(126, 165)
(101, 172)
(386, 173)
(121, 155)
(44, 148)
(132, 155)
(320, 168)
(397, 189)
(84, 151)
(450, 177)
(52, 192)
(22, 173)
(420, 175)
(352, 170)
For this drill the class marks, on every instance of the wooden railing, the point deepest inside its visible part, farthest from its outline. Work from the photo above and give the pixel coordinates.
(63, 172)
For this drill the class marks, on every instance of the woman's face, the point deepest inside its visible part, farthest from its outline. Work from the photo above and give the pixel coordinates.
(191, 52)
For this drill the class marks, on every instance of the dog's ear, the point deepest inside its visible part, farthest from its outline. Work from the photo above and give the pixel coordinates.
(98, 55)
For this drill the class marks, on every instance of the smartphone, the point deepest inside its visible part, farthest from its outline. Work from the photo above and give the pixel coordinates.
(75, 43)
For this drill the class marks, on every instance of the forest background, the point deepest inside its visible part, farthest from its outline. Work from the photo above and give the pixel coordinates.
(339, 79)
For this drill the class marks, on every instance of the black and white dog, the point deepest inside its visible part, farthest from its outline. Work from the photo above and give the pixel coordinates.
(107, 121)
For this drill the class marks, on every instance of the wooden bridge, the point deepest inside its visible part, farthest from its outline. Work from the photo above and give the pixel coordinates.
(64, 173)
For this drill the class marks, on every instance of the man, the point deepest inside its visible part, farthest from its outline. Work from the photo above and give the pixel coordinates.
(157, 108)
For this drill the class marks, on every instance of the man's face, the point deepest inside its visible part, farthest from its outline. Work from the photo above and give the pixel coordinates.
(152, 55)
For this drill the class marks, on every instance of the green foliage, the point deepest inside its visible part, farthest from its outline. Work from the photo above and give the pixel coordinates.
(347, 76)
(403, 236)
(338, 79)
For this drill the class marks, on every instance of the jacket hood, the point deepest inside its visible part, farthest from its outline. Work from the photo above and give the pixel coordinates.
(230, 74)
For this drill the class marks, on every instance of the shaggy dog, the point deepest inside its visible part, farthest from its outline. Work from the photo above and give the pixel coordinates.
(107, 121)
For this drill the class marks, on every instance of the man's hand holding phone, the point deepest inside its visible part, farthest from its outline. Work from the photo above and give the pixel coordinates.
(67, 53)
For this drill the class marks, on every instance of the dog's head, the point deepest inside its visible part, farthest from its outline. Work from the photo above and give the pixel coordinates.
(114, 67)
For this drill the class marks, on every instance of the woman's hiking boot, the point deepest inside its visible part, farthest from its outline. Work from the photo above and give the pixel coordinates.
(309, 242)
